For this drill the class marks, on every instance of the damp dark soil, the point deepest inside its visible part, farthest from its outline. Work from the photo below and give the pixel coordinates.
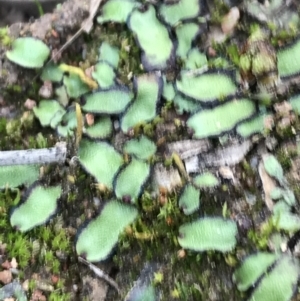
(47, 263)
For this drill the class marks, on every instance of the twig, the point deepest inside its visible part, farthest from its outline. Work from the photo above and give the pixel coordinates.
(86, 26)
(55, 154)
(100, 274)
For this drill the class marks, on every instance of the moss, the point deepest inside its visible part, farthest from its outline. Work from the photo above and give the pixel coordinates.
(14, 88)
(219, 11)
(117, 35)
(5, 39)
(284, 35)
(284, 158)
(260, 237)
(59, 296)
(154, 235)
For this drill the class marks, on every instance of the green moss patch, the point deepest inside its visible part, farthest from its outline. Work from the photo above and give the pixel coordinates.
(168, 92)
(286, 194)
(273, 168)
(75, 87)
(101, 129)
(207, 87)
(255, 125)
(148, 88)
(52, 73)
(107, 101)
(62, 95)
(100, 160)
(208, 234)
(97, 240)
(284, 219)
(186, 33)
(279, 284)
(288, 60)
(189, 200)
(116, 11)
(46, 111)
(195, 60)
(295, 103)
(252, 268)
(172, 13)
(109, 53)
(130, 180)
(183, 104)
(28, 52)
(68, 124)
(208, 123)
(206, 180)
(17, 175)
(142, 148)
(36, 208)
(147, 28)
(104, 74)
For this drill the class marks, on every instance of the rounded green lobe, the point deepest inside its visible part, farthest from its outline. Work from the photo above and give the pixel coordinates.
(37, 208)
(183, 9)
(288, 60)
(252, 268)
(143, 107)
(147, 29)
(208, 123)
(208, 234)
(97, 240)
(189, 200)
(279, 284)
(28, 52)
(207, 87)
(100, 159)
(130, 180)
(142, 148)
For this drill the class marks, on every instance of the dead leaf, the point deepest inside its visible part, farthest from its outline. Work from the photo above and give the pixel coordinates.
(268, 185)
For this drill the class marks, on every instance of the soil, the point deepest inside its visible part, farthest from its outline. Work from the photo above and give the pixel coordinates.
(191, 275)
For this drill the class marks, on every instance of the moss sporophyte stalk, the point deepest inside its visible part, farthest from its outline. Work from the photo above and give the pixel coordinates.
(156, 129)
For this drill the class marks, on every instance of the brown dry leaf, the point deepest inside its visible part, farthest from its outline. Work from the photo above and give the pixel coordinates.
(268, 185)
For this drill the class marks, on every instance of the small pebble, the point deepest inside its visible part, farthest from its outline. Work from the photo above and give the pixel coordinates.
(230, 20)
(226, 173)
(89, 119)
(29, 104)
(46, 90)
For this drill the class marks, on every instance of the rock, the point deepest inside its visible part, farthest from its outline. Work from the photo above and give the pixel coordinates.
(5, 276)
